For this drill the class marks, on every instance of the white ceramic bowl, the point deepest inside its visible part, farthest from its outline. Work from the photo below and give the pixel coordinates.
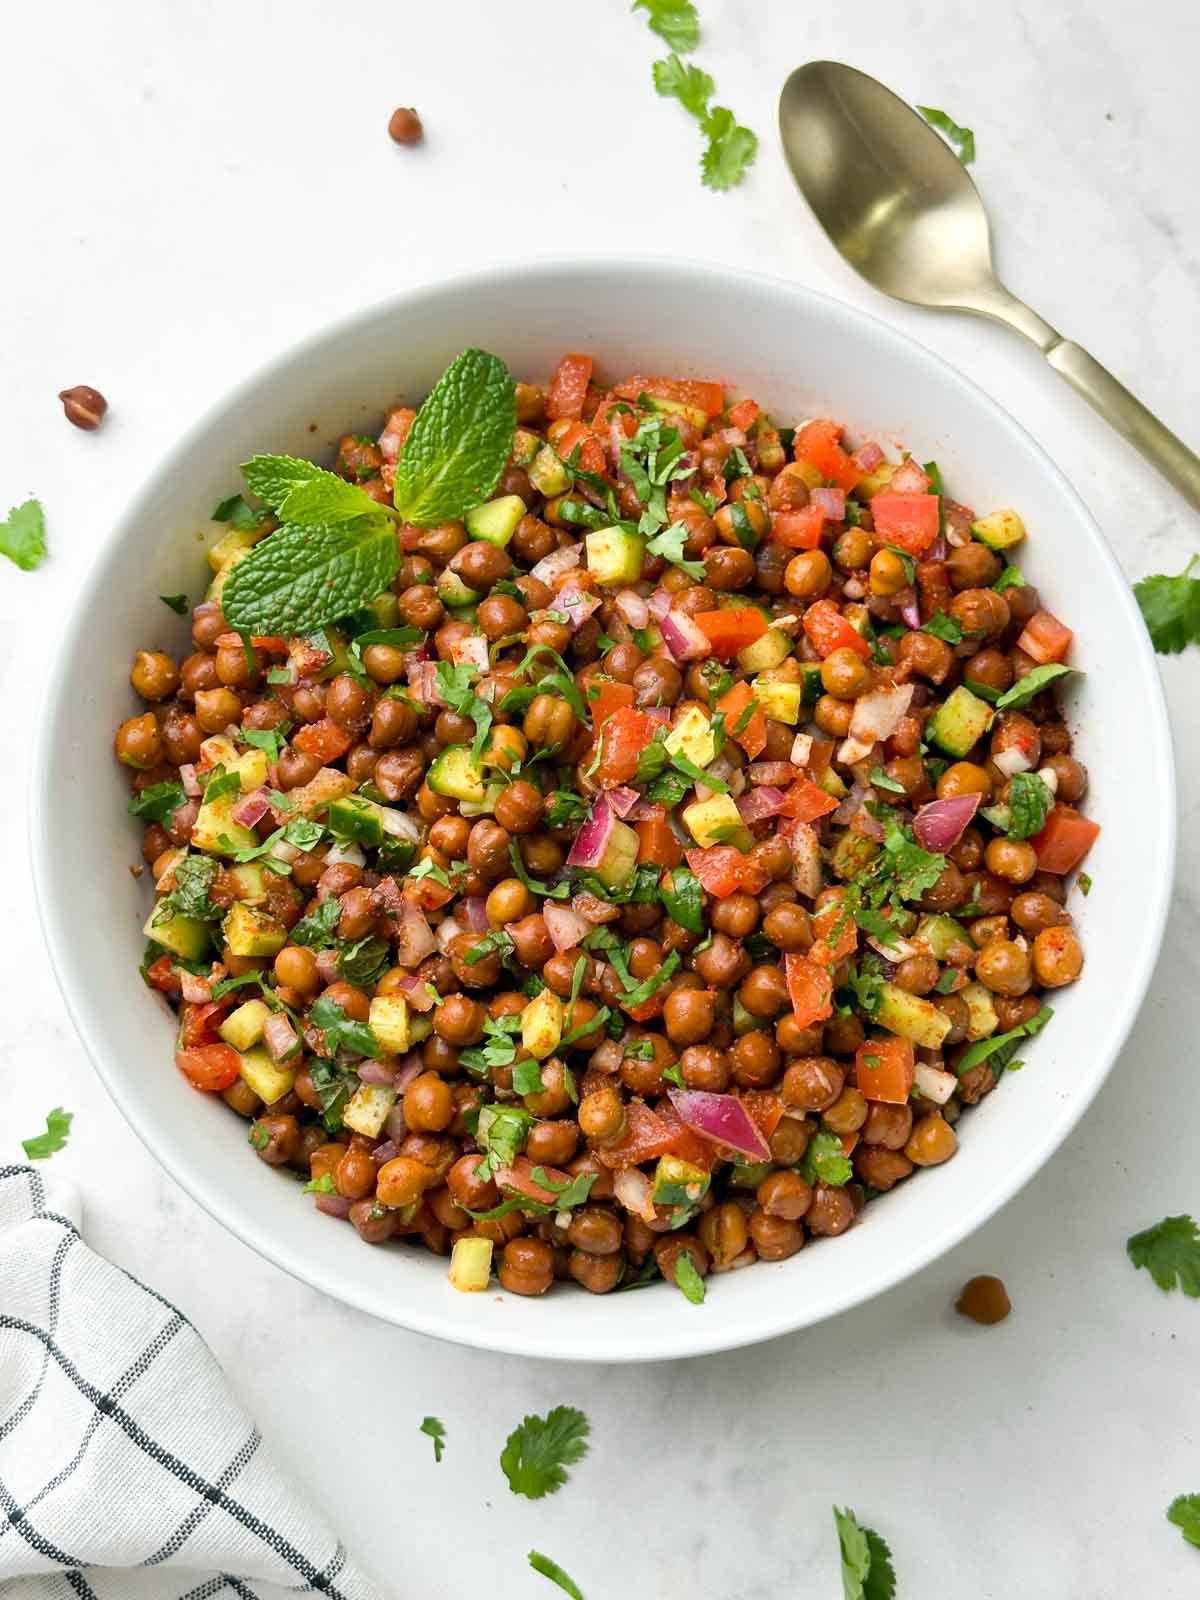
(800, 355)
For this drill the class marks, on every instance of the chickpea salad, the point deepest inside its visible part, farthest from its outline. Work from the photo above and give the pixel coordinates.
(600, 833)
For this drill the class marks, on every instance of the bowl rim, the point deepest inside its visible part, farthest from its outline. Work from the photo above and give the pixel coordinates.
(698, 1336)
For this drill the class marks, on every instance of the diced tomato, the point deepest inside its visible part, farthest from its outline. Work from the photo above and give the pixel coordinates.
(731, 629)
(645, 1138)
(723, 871)
(765, 1108)
(568, 387)
(605, 416)
(568, 436)
(650, 1007)
(909, 521)
(753, 737)
(883, 1069)
(161, 975)
(612, 697)
(849, 1140)
(743, 413)
(818, 444)
(657, 845)
(198, 1023)
(710, 397)
(623, 737)
(520, 1177)
(324, 739)
(798, 530)
(1065, 840)
(685, 1143)
(211, 1067)
(806, 802)
(810, 989)
(1045, 638)
(820, 757)
(835, 935)
(828, 630)
(427, 894)
(272, 643)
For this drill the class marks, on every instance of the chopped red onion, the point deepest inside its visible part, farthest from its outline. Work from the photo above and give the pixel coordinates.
(802, 749)
(632, 1188)
(868, 456)
(189, 780)
(349, 855)
(587, 849)
(658, 713)
(252, 808)
(414, 937)
(771, 772)
(607, 1057)
(377, 1072)
(473, 650)
(659, 604)
(684, 638)
(447, 930)
(334, 1205)
(327, 966)
(577, 603)
(908, 478)
(592, 908)
(938, 550)
(831, 502)
(407, 1068)
(934, 1084)
(877, 714)
(473, 908)
(908, 607)
(757, 804)
(941, 824)
(623, 799)
(565, 927)
(422, 680)
(284, 851)
(399, 824)
(556, 563)
(853, 589)
(723, 1119)
(1012, 761)
(731, 436)
(632, 607)
(279, 1037)
(196, 991)
(395, 1125)
(387, 1151)
(416, 991)
(849, 808)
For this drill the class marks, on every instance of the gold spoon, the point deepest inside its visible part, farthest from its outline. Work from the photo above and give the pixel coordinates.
(901, 209)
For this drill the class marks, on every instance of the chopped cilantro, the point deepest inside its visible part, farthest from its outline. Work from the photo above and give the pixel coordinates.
(340, 1031)
(44, 1145)
(157, 802)
(825, 1162)
(1170, 1253)
(437, 1432)
(538, 1452)
(551, 1569)
(1171, 609)
(177, 602)
(687, 1280)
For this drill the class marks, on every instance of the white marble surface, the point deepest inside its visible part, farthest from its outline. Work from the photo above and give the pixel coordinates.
(190, 188)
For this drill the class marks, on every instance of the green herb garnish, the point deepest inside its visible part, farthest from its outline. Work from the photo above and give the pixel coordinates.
(867, 1572)
(1170, 1253)
(962, 139)
(1171, 609)
(687, 1280)
(23, 535)
(1023, 691)
(551, 1569)
(437, 1432)
(44, 1145)
(538, 1452)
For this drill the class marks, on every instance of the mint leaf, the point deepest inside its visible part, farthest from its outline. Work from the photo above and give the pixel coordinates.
(299, 578)
(272, 478)
(177, 602)
(1029, 803)
(676, 21)
(551, 1569)
(1023, 691)
(1170, 1253)
(962, 139)
(44, 1145)
(1171, 609)
(867, 1572)
(23, 535)
(157, 802)
(239, 513)
(731, 149)
(456, 449)
(948, 629)
(325, 500)
(689, 85)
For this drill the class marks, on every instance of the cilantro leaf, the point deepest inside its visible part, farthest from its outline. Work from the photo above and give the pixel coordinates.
(537, 1453)
(437, 1432)
(683, 898)
(676, 21)
(23, 535)
(177, 602)
(340, 1032)
(1002, 1044)
(1029, 803)
(300, 577)
(363, 961)
(879, 779)
(157, 802)
(552, 1570)
(730, 150)
(1170, 1253)
(669, 545)
(1184, 1512)
(191, 896)
(334, 1086)
(943, 627)
(44, 1145)
(687, 1279)
(962, 139)
(867, 1572)
(239, 514)
(825, 1162)
(1010, 578)
(1171, 609)
(325, 1184)
(1023, 691)
(687, 84)
(458, 444)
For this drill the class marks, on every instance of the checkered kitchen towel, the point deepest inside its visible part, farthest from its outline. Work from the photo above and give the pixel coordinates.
(128, 1471)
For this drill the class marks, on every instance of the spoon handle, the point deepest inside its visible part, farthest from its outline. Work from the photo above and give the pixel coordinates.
(1129, 417)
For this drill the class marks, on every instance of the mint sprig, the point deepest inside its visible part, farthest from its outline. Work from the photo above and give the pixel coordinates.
(456, 449)
(300, 578)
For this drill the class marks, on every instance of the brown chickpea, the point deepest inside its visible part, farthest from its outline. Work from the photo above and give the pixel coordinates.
(602, 1116)
(533, 540)
(887, 574)
(832, 716)
(468, 1190)
(989, 894)
(722, 964)
(1033, 911)
(1004, 968)
(972, 566)
(138, 743)
(500, 616)
(975, 1082)
(487, 848)
(931, 1142)
(887, 1126)
(984, 1300)
(986, 930)
(981, 613)
(275, 1139)
(480, 974)
(688, 1015)
(954, 1007)
(880, 1168)
(925, 655)
(595, 1229)
(233, 667)
(967, 854)
(1014, 860)
(784, 1194)
(755, 514)
(808, 575)
(704, 1067)
(552, 1143)
(755, 1059)
(736, 915)
(1014, 1011)
(812, 1083)
(217, 708)
(349, 703)
(853, 549)
(1057, 957)
(787, 926)
(480, 565)
(724, 1234)
(728, 568)
(154, 675)
(532, 944)
(961, 778)
(296, 968)
(156, 842)
(555, 634)
(831, 1212)
(384, 663)
(772, 856)
(182, 736)
(208, 624)
(509, 901)
(398, 774)
(358, 914)
(916, 974)
(420, 607)
(1072, 778)
(355, 1002)
(668, 1250)
(848, 1112)
(308, 702)
(355, 1173)
(392, 722)
(789, 1141)
(541, 854)
(622, 661)
(774, 1238)
(991, 668)
(240, 1097)
(549, 721)
(842, 1036)
(657, 682)
(459, 1020)
(596, 1274)
(526, 1266)
(764, 992)
(519, 807)
(845, 674)
(295, 768)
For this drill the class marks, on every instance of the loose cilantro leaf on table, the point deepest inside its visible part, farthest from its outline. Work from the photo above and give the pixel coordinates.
(538, 1452)
(730, 149)
(157, 802)
(691, 86)
(552, 1570)
(1023, 691)
(177, 602)
(44, 1145)
(23, 535)
(962, 139)
(867, 1572)
(437, 1432)
(1002, 1045)
(676, 21)
(1171, 609)
(1170, 1253)
(1184, 1512)
(687, 1279)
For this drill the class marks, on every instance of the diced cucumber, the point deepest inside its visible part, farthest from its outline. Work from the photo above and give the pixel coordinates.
(712, 821)
(620, 856)
(1000, 530)
(484, 807)
(696, 415)
(453, 592)
(615, 555)
(384, 609)
(496, 520)
(388, 1019)
(368, 1107)
(233, 546)
(249, 932)
(693, 737)
(944, 938)
(251, 767)
(678, 1182)
(471, 1264)
(269, 1082)
(777, 698)
(357, 819)
(247, 881)
(832, 784)
(541, 1025)
(959, 722)
(982, 1020)
(810, 683)
(548, 475)
(875, 482)
(767, 651)
(182, 936)
(455, 775)
(525, 445)
(243, 1028)
(216, 833)
(911, 1017)
(851, 853)
(217, 751)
